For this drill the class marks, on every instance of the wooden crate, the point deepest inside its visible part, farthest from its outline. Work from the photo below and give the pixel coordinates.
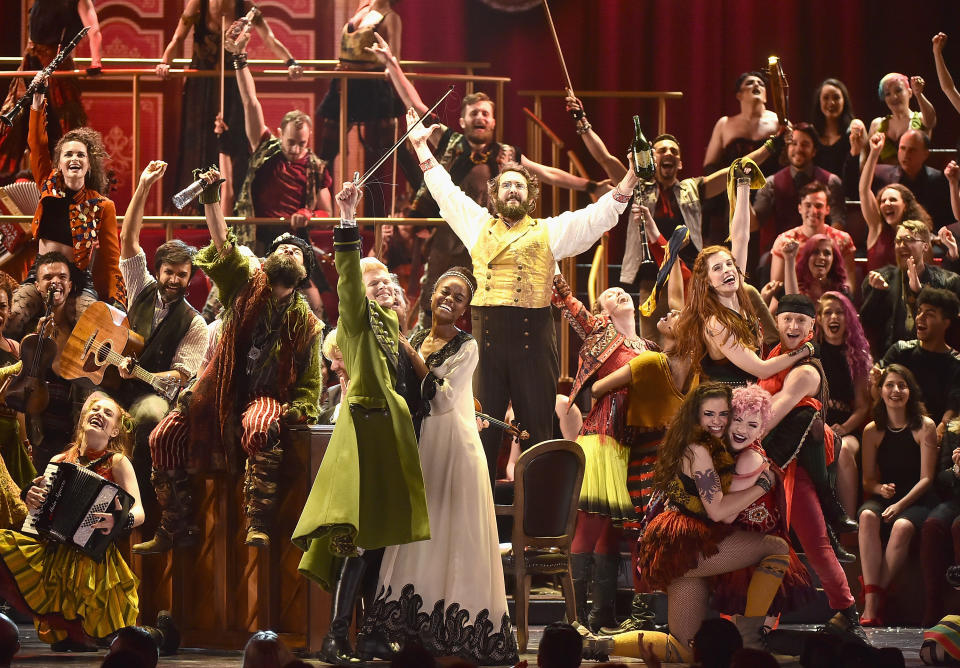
(222, 590)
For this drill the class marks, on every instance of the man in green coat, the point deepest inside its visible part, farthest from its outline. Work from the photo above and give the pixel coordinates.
(369, 491)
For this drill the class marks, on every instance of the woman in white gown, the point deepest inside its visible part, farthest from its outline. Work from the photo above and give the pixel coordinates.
(447, 593)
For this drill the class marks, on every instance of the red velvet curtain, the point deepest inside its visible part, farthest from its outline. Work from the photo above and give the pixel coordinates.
(698, 47)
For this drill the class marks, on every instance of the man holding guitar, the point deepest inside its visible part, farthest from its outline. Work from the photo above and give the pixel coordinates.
(174, 334)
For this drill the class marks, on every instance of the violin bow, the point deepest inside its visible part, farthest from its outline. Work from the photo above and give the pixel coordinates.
(359, 181)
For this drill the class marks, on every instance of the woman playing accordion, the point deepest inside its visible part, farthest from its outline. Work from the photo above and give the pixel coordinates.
(74, 599)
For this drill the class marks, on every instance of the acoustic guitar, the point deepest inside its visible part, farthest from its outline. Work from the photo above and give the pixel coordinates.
(101, 339)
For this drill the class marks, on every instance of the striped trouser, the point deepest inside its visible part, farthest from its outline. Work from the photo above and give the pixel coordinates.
(169, 440)
(643, 459)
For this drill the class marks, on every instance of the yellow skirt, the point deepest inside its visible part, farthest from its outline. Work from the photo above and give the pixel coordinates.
(604, 489)
(63, 588)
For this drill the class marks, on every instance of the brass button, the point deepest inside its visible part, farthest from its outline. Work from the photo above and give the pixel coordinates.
(526, 347)
(489, 276)
(489, 265)
(488, 287)
(519, 289)
(526, 319)
(520, 267)
(519, 278)
(516, 299)
(526, 333)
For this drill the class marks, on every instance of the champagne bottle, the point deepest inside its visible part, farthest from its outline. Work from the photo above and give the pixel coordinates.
(643, 163)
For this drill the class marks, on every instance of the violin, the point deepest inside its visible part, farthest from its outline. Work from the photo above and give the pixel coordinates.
(513, 428)
(28, 391)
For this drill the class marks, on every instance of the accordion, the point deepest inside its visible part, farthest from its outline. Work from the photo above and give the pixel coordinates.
(66, 516)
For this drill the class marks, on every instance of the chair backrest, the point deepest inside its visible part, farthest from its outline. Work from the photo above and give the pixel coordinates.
(546, 493)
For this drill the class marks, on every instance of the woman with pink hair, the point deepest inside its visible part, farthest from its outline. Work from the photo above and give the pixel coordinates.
(750, 410)
(846, 359)
(812, 269)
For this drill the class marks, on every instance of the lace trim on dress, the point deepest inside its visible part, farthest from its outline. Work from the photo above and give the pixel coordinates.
(444, 631)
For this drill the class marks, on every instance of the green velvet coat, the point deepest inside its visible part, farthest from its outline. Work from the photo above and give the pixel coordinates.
(369, 491)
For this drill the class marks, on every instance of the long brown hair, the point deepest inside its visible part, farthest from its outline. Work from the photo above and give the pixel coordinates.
(915, 410)
(96, 178)
(684, 430)
(702, 304)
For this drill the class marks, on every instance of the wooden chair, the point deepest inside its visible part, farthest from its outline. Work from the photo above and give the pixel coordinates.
(547, 481)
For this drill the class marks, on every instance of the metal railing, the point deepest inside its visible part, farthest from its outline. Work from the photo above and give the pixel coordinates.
(136, 75)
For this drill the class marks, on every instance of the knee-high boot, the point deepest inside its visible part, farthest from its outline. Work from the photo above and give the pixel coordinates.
(260, 494)
(581, 565)
(176, 512)
(336, 647)
(604, 591)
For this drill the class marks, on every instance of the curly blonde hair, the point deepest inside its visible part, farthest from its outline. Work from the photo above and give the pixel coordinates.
(123, 441)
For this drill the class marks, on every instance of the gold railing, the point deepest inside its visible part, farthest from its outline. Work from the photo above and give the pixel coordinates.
(170, 222)
(135, 75)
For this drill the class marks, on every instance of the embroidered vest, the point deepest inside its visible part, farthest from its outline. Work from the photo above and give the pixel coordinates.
(514, 266)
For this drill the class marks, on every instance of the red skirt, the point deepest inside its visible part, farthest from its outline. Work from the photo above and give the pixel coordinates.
(674, 543)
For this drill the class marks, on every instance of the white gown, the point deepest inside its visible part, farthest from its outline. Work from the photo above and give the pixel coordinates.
(447, 593)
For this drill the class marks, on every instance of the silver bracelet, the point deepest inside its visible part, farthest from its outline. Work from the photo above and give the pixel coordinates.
(348, 222)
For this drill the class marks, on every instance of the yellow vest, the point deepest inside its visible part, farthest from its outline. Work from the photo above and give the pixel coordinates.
(514, 266)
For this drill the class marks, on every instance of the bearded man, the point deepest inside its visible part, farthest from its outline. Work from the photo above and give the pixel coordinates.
(514, 260)
(174, 334)
(266, 368)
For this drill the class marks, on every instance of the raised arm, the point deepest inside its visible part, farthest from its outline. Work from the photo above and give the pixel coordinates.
(572, 308)
(791, 285)
(191, 14)
(294, 69)
(720, 507)
(40, 162)
(210, 200)
(256, 127)
(404, 87)
(715, 183)
(612, 165)
(740, 224)
(88, 16)
(927, 112)
(868, 201)
(952, 172)
(943, 74)
(133, 219)
(555, 177)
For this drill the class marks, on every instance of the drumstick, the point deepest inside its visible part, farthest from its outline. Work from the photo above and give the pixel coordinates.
(576, 113)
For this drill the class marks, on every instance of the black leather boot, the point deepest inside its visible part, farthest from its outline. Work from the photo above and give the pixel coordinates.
(336, 647)
(833, 513)
(641, 617)
(846, 623)
(581, 565)
(843, 556)
(604, 591)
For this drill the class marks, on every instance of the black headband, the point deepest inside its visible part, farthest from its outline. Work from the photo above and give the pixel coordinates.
(796, 303)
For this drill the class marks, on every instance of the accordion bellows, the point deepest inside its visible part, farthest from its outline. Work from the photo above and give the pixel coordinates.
(21, 198)
(66, 516)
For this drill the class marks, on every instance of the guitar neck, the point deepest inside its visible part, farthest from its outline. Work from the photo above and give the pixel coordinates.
(138, 372)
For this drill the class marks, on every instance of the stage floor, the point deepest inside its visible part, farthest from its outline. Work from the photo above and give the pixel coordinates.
(34, 652)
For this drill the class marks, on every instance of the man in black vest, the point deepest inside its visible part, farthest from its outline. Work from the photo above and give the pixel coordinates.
(175, 336)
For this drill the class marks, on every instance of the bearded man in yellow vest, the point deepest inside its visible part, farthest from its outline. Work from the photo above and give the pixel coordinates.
(514, 260)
